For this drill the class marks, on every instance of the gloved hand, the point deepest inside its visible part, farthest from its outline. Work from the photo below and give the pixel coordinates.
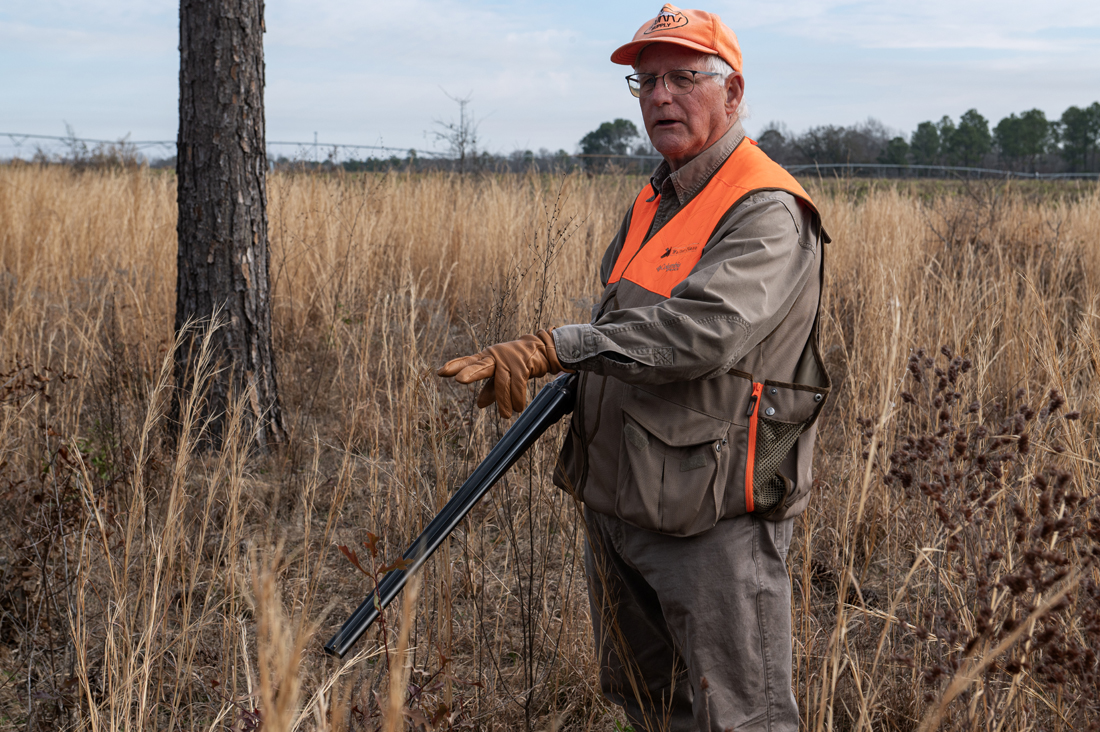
(508, 367)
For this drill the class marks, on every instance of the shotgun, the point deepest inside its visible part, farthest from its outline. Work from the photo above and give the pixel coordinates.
(554, 401)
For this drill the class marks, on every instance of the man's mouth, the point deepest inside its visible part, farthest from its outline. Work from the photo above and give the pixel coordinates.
(666, 123)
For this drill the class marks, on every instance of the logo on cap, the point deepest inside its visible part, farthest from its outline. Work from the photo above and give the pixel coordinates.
(667, 21)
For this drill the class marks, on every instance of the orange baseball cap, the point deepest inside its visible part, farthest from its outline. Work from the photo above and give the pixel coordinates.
(695, 29)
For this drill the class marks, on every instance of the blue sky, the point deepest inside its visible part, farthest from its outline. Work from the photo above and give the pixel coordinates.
(538, 72)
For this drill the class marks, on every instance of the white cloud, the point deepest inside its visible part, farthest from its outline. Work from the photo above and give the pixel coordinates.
(91, 27)
(528, 83)
(538, 72)
(86, 42)
(1013, 25)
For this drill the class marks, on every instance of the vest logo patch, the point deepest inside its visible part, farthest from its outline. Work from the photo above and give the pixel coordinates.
(670, 267)
(671, 252)
(667, 21)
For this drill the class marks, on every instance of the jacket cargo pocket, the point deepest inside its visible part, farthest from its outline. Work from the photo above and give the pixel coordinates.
(778, 414)
(674, 464)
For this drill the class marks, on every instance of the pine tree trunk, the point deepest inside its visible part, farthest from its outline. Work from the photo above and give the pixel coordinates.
(223, 258)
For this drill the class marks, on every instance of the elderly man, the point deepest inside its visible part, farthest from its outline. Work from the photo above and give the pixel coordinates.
(700, 382)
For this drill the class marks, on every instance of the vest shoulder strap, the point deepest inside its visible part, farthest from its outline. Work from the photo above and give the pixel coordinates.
(671, 254)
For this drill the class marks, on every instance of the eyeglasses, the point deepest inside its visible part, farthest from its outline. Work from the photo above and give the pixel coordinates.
(677, 81)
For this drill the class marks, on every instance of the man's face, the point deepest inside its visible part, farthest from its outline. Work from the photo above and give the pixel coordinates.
(682, 126)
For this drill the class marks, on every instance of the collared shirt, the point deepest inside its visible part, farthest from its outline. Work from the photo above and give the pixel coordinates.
(677, 187)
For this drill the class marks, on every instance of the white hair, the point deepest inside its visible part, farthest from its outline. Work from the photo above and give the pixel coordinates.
(718, 65)
(712, 61)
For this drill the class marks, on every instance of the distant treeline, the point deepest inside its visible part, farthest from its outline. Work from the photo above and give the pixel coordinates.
(1028, 142)
(518, 161)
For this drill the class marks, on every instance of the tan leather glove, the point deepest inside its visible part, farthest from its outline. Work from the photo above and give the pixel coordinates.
(508, 367)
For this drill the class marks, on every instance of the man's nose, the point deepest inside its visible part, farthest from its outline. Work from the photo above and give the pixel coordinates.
(661, 94)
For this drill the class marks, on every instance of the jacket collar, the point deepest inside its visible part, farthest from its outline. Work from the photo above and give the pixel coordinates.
(690, 179)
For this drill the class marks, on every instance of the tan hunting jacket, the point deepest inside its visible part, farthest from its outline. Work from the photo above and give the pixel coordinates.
(671, 388)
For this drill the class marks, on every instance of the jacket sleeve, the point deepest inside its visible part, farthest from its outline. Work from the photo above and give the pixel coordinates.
(751, 272)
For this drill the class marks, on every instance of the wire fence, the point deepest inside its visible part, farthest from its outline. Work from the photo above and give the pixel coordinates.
(938, 171)
(23, 146)
(316, 154)
(325, 155)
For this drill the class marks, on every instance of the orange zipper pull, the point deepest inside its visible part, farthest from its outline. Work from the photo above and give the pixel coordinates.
(750, 453)
(757, 390)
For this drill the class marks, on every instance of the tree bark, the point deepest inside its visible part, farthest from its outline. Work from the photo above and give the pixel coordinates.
(221, 166)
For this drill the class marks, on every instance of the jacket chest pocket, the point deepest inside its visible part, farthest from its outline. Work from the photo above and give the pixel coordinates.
(674, 464)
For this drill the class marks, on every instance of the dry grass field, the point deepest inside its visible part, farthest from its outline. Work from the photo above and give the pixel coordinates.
(944, 576)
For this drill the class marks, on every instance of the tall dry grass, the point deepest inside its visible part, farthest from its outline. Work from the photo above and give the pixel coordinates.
(943, 576)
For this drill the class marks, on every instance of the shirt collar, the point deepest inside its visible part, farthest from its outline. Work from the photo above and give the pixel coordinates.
(690, 179)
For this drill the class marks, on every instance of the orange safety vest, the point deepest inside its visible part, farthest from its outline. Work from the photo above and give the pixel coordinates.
(668, 258)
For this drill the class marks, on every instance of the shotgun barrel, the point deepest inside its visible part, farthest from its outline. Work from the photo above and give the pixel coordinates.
(554, 401)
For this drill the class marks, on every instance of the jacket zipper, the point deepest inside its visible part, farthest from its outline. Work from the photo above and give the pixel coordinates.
(750, 456)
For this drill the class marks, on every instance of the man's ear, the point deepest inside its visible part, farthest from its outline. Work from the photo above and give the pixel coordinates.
(735, 92)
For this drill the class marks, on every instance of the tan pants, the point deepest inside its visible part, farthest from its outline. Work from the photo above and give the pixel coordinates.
(670, 612)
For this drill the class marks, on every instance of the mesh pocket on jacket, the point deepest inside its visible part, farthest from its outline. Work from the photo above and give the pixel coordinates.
(773, 441)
